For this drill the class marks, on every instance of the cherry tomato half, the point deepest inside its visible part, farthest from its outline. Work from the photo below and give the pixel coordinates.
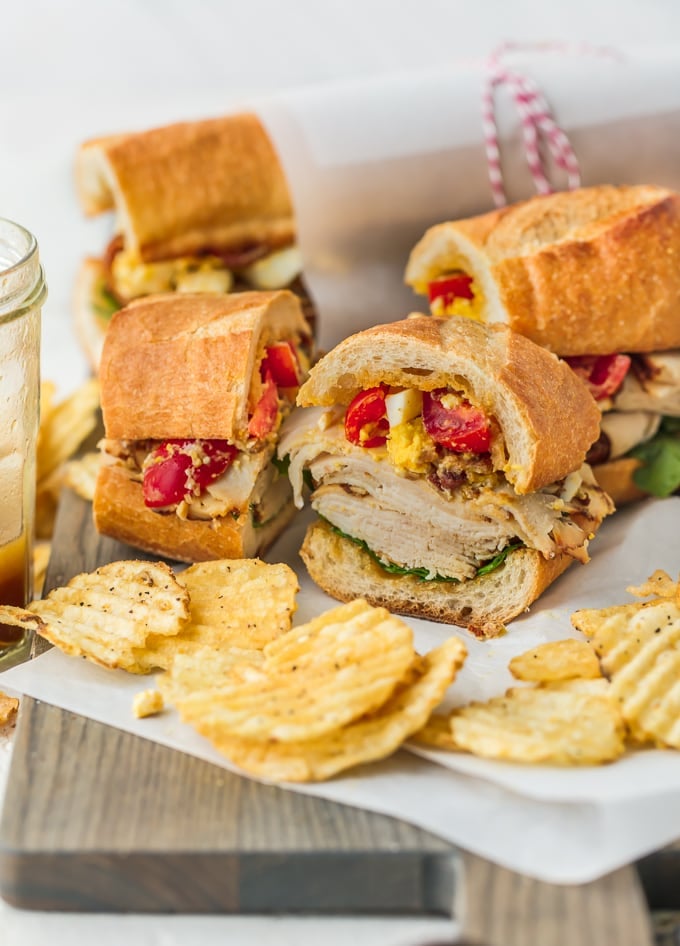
(266, 410)
(281, 363)
(366, 423)
(450, 287)
(176, 468)
(463, 429)
(603, 374)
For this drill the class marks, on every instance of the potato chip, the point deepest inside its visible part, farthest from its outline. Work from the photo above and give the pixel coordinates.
(537, 724)
(241, 603)
(556, 660)
(147, 703)
(318, 677)
(436, 733)
(639, 649)
(81, 475)
(41, 559)
(596, 687)
(204, 668)
(659, 584)
(104, 615)
(8, 708)
(370, 738)
(64, 427)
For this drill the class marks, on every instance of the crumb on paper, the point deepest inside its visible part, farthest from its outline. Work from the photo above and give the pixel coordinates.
(8, 708)
(147, 703)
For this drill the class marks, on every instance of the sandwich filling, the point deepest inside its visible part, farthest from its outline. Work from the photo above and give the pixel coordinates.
(408, 475)
(207, 478)
(639, 396)
(125, 276)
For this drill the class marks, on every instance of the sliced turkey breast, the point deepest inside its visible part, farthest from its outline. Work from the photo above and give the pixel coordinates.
(409, 521)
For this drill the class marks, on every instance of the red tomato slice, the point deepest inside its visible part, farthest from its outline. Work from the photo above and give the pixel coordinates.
(463, 429)
(366, 423)
(176, 467)
(266, 410)
(603, 374)
(453, 286)
(281, 362)
(218, 455)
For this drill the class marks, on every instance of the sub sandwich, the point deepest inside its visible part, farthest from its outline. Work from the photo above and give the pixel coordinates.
(200, 206)
(594, 276)
(193, 392)
(446, 464)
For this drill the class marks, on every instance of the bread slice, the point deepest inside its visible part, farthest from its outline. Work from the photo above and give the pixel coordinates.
(483, 605)
(546, 417)
(184, 365)
(584, 272)
(189, 187)
(119, 511)
(89, 324)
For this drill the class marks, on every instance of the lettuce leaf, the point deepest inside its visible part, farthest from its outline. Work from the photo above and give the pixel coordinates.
(659, 474)
(423, 574)
(104, 302)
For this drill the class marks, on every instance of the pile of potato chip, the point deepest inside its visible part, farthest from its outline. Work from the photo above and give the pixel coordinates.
(590, 698)
(304, 703)
(288, 704)
(64, 428)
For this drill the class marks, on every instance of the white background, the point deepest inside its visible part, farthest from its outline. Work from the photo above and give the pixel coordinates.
(77, 68)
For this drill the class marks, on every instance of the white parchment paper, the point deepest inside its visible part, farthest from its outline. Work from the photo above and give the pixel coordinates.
(560, 825)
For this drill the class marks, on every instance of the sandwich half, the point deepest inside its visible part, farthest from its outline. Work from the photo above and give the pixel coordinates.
(594, 276)
(446, 462)
(199, 206)
(193, 390)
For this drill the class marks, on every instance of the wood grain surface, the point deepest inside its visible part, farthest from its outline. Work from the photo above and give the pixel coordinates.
(96, 819)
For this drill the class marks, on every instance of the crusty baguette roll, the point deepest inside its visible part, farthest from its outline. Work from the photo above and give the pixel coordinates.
(483, 606)
(188, 187)
(183, 365)
(186, 368)
(119, 511)
(90, 325)
(526, 389)
(616, 479)
(585, 272)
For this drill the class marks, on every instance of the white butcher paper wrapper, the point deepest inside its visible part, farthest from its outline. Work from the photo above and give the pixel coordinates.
(373, 163)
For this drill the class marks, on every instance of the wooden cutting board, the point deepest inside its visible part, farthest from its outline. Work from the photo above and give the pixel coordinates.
(96, 819)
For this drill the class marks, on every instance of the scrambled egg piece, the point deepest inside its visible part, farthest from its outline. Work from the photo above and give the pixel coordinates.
(471, 308)
(410, 447)
(133, 278)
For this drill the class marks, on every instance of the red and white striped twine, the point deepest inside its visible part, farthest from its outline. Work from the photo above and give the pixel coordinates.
(536, 118)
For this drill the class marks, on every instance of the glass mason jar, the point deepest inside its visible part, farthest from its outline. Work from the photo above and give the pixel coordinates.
(22, 292)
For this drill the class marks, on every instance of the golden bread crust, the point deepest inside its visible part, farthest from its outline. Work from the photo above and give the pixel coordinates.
(186, 187)
(591, 271)
(546, 415)
(183, 365)
(119, 511)
(616, 478)
(483, 605)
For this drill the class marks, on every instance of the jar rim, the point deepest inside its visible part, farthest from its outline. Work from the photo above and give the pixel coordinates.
(32, 244)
